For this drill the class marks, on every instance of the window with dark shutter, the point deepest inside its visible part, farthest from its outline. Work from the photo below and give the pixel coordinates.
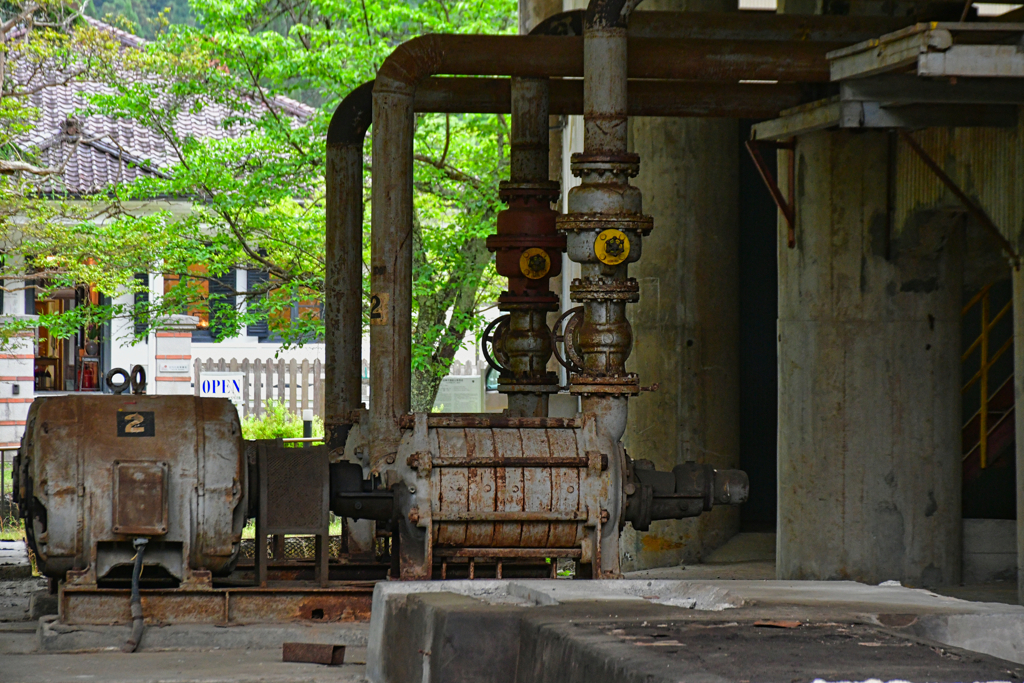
(140, 312)
(257, 279)
(222, 290)
(30, 298)
(29, 284)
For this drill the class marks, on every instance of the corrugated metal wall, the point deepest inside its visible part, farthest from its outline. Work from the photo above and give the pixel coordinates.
(987, 164)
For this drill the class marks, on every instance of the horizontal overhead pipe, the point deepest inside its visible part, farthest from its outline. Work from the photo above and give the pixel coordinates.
(646, 97)
(562, 57)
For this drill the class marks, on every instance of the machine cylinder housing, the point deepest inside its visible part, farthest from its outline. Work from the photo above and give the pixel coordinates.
(95, 472)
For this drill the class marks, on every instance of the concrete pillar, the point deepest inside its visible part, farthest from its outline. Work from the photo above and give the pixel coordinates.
(686, 325)
(173, 374)
(869, 376)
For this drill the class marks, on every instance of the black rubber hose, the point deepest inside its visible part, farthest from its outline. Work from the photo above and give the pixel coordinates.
(138, 623)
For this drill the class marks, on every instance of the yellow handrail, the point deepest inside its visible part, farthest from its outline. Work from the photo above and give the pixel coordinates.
(986, 362)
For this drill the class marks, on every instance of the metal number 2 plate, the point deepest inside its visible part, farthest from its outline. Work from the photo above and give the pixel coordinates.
(136, 423)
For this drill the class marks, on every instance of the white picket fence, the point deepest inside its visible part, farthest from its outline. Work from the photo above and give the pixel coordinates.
(297, 384)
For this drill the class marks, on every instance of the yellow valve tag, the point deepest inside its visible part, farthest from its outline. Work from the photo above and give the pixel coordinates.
(611, 247)
(535, 263)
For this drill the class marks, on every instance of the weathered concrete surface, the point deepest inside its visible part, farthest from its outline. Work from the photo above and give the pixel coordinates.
(869, 368)
(747, 571)
(628, 630)
(686, 325)
(222, 666)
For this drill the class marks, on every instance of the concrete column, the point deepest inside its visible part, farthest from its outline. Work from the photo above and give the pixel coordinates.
(686, 325)
(869, 376)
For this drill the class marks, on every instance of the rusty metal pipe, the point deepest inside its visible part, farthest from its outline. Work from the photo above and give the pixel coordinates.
(344, 257)
(523, 227)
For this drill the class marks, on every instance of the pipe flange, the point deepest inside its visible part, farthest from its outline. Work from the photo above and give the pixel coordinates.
(627, 164)
(553, 242)
(546, 384)
(599, 222)
(545, 190)
(628, 385)
(583, 290)
(512, 302)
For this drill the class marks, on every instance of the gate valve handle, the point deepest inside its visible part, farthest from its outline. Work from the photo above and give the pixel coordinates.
(493, 335)
(572, 361)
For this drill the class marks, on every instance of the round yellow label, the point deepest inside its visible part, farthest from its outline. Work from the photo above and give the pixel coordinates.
(535, 263)
(611, 247)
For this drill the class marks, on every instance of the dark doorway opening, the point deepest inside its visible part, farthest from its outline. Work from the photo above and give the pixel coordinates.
(759, 312)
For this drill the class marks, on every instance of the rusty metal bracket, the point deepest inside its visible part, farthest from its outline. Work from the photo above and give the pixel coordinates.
(972, 206)
(786, 206)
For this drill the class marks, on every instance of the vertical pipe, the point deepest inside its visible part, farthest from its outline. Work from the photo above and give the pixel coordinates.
(526, 234)
(343, 281)
(603, 231)
(391, 266)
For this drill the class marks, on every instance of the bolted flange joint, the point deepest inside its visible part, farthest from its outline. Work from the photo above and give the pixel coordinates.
(586, 385)
(585, 290)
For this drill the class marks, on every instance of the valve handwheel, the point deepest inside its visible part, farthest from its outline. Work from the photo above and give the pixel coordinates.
(493, 335)
(573, 361)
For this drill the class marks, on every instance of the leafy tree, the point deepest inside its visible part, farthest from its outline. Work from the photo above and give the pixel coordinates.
(257, 185)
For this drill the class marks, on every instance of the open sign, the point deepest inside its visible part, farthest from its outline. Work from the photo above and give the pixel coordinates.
(222, 385)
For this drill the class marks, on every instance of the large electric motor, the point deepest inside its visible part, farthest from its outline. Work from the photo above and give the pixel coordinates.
(94, 473)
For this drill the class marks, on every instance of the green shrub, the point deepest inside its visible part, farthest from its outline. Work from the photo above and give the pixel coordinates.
(277, 422)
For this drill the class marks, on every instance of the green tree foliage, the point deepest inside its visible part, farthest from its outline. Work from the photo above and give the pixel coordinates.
(257, 186)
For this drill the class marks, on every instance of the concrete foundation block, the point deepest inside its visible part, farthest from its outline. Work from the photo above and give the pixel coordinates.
(550, 631)
(444, 640)
(42, 604)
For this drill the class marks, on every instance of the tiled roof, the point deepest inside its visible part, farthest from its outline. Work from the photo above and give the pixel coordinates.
(105, 150)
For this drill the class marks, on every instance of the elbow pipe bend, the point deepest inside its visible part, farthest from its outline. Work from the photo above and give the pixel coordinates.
(352, 118)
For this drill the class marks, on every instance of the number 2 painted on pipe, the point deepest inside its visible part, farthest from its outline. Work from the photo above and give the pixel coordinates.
(379, 309)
